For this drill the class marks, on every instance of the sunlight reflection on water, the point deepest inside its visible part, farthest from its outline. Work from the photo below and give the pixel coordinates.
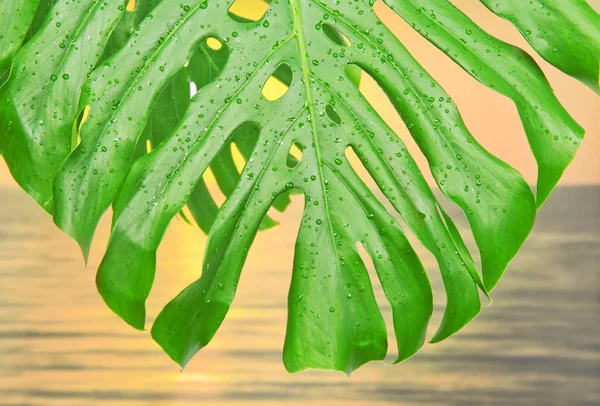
(59, 345)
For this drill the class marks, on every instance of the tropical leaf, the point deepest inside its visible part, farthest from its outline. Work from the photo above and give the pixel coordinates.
(16, 17)
(40, 108)
(564, 33)
(42, 12)
(170, 172)
(553, 134)
(200, 70)
(145, 146)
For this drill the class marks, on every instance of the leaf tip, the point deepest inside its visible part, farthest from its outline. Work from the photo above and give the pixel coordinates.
(453, 325)
(69, 229)
(542, 196)
(183, 364)
(85, 252)
(131, 312)
(176, 355)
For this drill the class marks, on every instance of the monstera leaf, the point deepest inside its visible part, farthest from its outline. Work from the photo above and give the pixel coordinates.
(551, 27)
(204, 66)
(16, 16)
(97, 112)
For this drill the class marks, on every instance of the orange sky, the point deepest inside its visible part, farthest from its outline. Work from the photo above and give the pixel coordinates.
(491, 117)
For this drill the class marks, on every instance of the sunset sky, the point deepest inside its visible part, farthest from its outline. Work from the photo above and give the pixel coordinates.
(491, 117)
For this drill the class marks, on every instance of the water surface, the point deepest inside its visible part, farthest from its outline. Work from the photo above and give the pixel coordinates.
(538, 344)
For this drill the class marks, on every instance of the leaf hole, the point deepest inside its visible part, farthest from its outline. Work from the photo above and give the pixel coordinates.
(80, 120)
(336, 35)
(238, 157)
(352, 70)
(374, 94)
(278, 84)
(333, 114)
(295, 155)
(210, 193)
(248, 10)
(193, 89)
(460, 217)
(375, 180)
(213, 187)
(187, 216)
(242, 145)
(214, 44)
(207, 62)
(380, 299)
(131, 5)
(85, 115)
(355, 159)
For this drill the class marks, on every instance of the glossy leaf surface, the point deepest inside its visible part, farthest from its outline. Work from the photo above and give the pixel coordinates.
(553, 134)
(16, 17)
(40, 101)
(97, 113)
(565, 33)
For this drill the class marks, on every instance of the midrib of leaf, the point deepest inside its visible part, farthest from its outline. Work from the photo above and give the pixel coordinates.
(306, 75)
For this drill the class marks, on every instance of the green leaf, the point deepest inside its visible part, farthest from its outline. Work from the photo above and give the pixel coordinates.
(16, 17)
(20, 20)
(495, 198)
(553, 134)
(126, 27)
(42, 12)
(201, 69)
(38, 105)
(564, 33)
(139, 96)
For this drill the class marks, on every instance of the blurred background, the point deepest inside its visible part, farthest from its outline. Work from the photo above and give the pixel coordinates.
(538, 344)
